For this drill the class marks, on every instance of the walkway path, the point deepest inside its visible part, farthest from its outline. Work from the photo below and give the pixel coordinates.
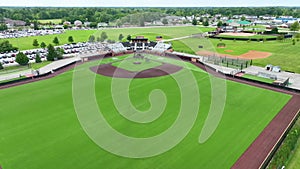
(179, 38)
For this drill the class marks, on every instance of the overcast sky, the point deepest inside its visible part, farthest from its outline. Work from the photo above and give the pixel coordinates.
(148, 3)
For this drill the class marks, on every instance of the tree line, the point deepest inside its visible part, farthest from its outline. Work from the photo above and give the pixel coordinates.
(107, 15)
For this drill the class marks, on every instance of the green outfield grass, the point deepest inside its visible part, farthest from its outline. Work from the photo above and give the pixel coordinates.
(39, 126)
(261, 79)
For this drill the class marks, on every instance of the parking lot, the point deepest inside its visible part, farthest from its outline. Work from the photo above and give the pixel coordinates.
(26, 33)
(9, 58)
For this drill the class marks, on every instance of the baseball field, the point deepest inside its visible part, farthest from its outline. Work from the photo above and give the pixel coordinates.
(40, 126)
(283, 53)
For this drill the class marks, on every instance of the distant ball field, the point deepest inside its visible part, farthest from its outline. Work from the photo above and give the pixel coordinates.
(40, 129)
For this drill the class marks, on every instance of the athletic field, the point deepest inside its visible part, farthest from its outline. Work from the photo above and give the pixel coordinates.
(40, 129)
(283, 53)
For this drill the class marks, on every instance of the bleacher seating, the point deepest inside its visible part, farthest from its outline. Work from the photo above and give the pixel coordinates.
(161, 47)
(117, 47)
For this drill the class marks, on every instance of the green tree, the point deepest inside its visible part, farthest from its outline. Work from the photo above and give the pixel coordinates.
(243, 18)
(220, 23)
(98, 39)
(295, 26)
(6, 46)
(1, 66)
(205, 23)
(35, 43)
(3, 27)
(280, 37)
(27, 22)
(70, 39)
(294, 42)
(194, 21)
(104, 35)
(59, 53)
(22, 59)
(101, 39)
(274, 30)
(128, 37)
(165, 21)
(43, 45)
(142, 21)
(35, 25)
(51, 53)
(201, 19)
(55, 40)
(121, 37)
(92, 38)
(94, 25)
(38, 58)
(66, 26)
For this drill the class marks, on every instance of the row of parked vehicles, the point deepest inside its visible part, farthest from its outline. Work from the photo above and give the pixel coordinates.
(25, 33)
(8, 58)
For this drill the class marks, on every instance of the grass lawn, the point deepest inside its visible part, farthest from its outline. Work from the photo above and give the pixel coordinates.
(151, 36)
(12, 69)
(128, 64)
(44, 132)
(39, 65)
(294, 163)
(18, 78)
(206, 29)
(113, 34)
(17, 68)
(45, 21)
(261, 79)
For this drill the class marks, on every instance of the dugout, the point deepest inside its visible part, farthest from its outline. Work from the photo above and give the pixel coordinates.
(282, 82)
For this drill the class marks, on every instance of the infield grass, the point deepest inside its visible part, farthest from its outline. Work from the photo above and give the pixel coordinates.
(39, 127)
